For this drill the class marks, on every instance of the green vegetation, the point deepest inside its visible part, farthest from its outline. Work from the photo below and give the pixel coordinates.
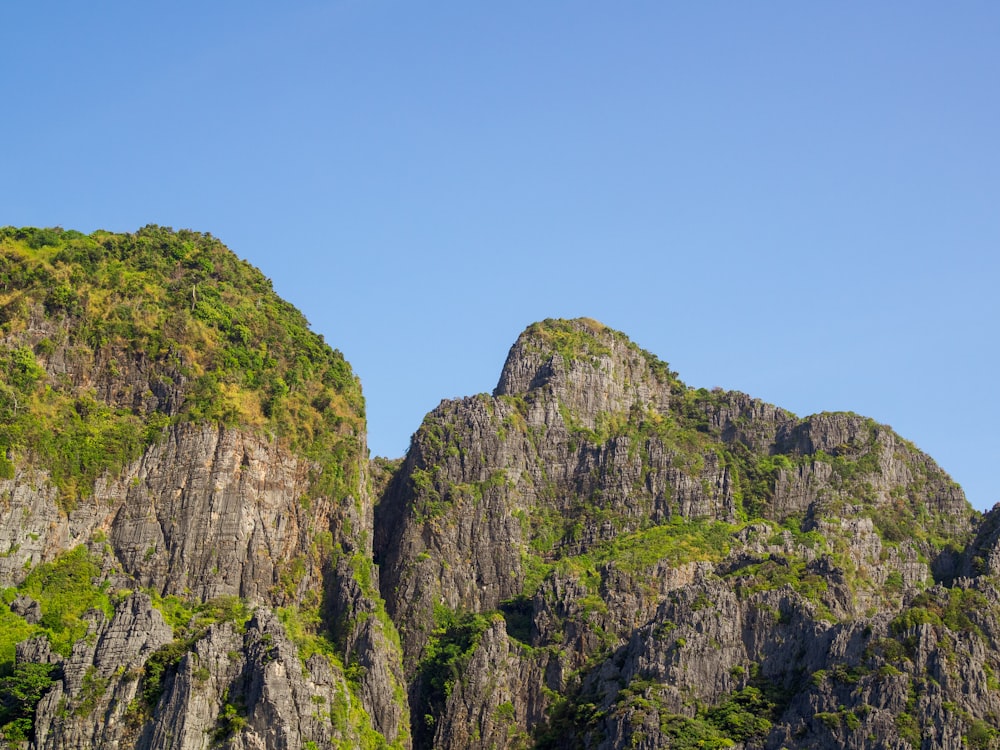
(230, 721)
(754, 477)
(346, 713)
(953, 608)
(74, 436)
(451, 645)
(777, 571)
(571, 339)
(744, 716)
(908, 728)
(304, 628)
(20, 692)
(189, 618)
(686, 733)
(190, 621)
(452, 642)
(676, 542)
(214, 342)
(980, 734)
(65, 589)
(517, 614)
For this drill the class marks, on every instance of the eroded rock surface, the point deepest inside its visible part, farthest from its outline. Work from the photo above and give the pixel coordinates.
(594, 555)
(669, 562)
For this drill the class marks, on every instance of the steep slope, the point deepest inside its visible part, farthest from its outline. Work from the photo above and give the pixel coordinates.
(170, 426)
(597, 555)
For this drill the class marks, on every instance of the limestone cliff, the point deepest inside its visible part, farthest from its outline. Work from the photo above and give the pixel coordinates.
(598, 556)
(186, 512)
(196, 551)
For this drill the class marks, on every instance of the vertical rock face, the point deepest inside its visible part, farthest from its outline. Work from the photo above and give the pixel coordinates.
(595, 555)
(185, 508)
(671, 565)
(216, 512)
(458, 515)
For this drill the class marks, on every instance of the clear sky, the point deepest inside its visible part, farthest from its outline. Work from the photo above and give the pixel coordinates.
(796, 200)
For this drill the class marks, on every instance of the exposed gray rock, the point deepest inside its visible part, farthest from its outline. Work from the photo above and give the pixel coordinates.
(26, 607)
(587, 440)
(498, 699)
(90, 707)
(214, 512)
(593, 556)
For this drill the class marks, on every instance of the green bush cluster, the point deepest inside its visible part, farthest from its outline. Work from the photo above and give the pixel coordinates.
(190, 621)
(778, 571)
(744, 716)
(202, 322)
(232, 718)
(451, 645)
(20, 692)
(76, 438)
(571, 339)
(454, 638)
(65, 589)
(953, 608)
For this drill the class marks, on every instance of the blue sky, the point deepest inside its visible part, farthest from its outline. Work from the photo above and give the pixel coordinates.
(796, 200)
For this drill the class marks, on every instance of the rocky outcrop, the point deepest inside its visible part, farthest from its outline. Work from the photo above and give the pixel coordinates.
(594, 555)
(216, 512)
(879, 682)
(601, 506)
(164, 408)
(90, 705)
(588, 368)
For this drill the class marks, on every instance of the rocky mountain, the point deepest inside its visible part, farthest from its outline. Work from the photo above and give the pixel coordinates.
(186, 515)
(197, 552)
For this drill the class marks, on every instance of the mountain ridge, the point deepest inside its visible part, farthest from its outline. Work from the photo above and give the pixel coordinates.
(594, 555)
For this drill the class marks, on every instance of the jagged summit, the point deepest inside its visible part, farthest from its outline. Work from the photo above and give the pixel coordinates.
(593, 489)
(588, 366)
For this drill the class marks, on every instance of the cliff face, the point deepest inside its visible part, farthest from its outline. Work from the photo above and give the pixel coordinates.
(197, 553)
(599, 556)
(187, 512)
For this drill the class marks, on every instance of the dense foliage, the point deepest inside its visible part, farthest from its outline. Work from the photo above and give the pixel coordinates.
(108, 338)
(20, 692)
(65, 589)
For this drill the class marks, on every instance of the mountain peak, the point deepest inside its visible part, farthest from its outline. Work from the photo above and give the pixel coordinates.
(589, 367)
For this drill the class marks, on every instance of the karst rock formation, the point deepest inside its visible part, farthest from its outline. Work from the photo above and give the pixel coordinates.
(197, 552)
